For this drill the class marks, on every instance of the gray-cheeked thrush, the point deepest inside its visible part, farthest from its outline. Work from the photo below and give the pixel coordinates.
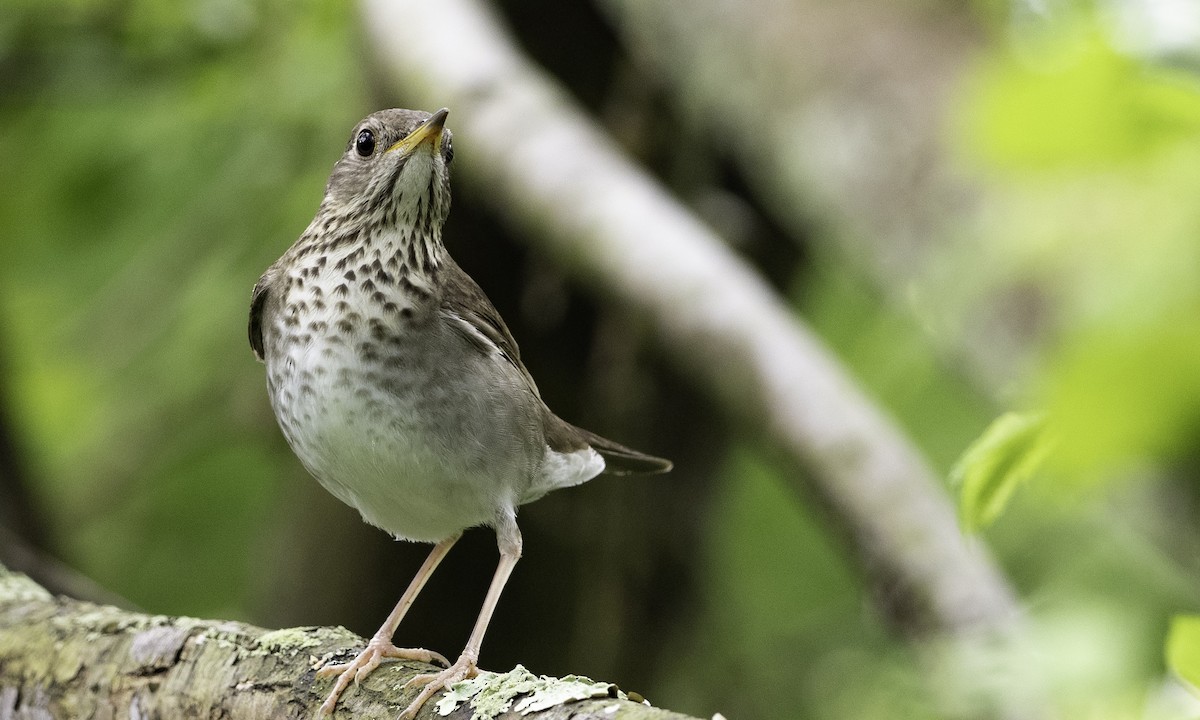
(398, 385)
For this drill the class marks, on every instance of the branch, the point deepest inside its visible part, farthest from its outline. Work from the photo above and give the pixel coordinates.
(70, 659)
(560, 181)
(852, 107)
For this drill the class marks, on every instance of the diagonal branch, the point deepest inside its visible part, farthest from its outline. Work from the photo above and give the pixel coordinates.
(854, 111)
(551, 173)
(65, 658)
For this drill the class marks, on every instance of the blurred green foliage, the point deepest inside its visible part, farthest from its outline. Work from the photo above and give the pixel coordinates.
(158, 155)
(155, 152)
(1183, 649)
(1091, 159)
(1089, 155)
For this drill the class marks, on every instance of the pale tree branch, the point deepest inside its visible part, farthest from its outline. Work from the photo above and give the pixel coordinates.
(63, 658)
(841, 116)
(550, 172)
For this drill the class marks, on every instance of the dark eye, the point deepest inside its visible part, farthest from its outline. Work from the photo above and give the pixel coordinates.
(364, 144)
(448, 151)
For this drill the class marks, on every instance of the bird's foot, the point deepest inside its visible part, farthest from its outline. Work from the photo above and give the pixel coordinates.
(366, 662)
(431, 684)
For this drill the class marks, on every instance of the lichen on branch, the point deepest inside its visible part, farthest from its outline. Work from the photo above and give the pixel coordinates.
(61, 657)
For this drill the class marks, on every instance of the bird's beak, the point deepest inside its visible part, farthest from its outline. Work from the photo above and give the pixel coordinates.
(429, 131)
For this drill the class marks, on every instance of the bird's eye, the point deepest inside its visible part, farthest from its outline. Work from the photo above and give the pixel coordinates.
(364, 144)
(448, 151)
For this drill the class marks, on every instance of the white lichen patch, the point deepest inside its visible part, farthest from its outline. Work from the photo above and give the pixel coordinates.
(291, 640)
(491, 694)
(571, 688)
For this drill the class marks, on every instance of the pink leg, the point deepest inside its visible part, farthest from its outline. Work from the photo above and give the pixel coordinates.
(380, 646)
(465, 667)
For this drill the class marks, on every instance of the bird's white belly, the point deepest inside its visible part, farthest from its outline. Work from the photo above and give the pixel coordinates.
(382, 441)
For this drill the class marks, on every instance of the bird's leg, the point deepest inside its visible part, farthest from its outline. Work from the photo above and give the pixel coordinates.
(509, 539)
(380, 646)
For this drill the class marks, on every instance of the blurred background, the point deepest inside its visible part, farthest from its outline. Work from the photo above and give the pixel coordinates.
(979, 206)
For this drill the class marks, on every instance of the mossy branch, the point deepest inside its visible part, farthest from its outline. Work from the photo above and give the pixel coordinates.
(65, 658)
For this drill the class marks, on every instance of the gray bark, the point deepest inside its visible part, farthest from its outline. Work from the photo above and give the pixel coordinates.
(63, 658)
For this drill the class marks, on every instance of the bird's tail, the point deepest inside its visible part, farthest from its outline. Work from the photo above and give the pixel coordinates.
(620, 460)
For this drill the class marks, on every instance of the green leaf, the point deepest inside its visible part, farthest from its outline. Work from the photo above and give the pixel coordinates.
(1074, 101)
(1183, 648)
(1008, 453)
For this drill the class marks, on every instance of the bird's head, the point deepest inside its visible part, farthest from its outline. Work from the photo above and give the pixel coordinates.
(395, 171)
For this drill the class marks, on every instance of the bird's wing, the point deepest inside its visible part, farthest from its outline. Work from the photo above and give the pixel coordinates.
(473, 315)
(258, 301)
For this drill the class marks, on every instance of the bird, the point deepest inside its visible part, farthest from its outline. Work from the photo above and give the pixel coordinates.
(398, 385)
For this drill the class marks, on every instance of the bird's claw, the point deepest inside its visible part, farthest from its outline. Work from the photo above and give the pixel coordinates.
(365, 663)
(432, 683)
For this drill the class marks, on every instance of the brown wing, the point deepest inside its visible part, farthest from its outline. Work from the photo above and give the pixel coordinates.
(465, 301)
(258, 301)
(482, 325)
